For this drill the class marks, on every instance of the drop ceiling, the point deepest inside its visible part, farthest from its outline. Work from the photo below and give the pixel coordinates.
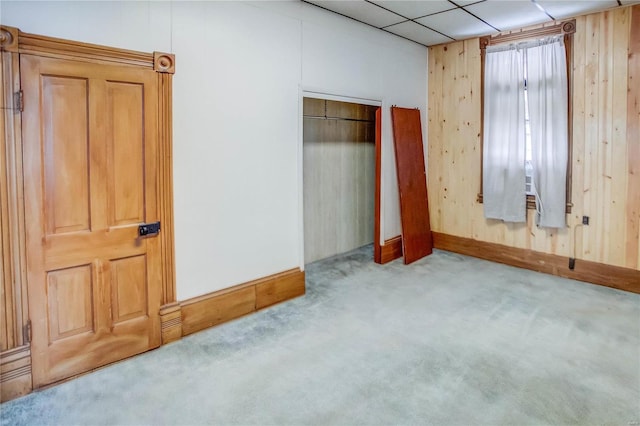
(430, 22)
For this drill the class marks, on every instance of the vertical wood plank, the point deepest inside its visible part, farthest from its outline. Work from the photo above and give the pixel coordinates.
(591, 133)
(455, 160)
(604, 136)
(632, 255)
(578, 166)
(473, 123)
(434, 132)
(615, 238)
(471, 58)
(448, 61)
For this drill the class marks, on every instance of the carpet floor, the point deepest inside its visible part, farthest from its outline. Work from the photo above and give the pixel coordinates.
(448, 340)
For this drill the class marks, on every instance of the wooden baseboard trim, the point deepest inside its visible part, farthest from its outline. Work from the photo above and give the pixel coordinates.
(171, 322)
(592, 272)
(391, 250)
(15, 373)
(221, 306)
(278, 288)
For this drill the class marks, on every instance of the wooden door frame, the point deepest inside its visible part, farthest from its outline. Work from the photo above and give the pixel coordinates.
(392, 248)
(15, 360)
(377, 247)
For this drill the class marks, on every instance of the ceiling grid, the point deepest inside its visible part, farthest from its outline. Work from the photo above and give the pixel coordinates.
(431, 22)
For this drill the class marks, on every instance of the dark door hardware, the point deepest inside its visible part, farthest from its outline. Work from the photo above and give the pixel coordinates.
(149, 229)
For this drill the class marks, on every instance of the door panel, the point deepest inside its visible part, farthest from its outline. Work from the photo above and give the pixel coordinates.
(64, 112)
(128, 288)
(90, 136)
(70, 302)
(125, 108)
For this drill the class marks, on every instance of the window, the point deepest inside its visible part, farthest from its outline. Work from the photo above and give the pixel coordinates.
(528, 166)
(526, 124)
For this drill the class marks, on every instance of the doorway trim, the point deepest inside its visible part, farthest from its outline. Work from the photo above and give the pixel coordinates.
(15, 359)
(319, 94)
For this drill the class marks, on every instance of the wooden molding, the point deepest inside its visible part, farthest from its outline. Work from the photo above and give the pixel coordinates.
(67, 49)
(224, 305)
(596, 273)
(171, 322)
(164, 62)
(165, 190)
(279, 287)
(14, 311)
(12, 39)
(15, 373)
(391, 250)
(565, 27)
(216, 308)
(8, 39)
(377, 248)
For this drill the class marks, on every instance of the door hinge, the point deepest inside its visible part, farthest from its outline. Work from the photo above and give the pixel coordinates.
(18, 100)
(27, 332)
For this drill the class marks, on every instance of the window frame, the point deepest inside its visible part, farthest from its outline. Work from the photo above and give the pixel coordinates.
(567, 29)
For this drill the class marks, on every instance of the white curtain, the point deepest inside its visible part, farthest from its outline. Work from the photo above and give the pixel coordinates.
(547, 94)
(503, 179)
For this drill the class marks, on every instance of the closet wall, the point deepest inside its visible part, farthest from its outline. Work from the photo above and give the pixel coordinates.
(339, 177)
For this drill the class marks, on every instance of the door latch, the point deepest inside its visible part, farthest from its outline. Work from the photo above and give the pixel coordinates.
(149, 229)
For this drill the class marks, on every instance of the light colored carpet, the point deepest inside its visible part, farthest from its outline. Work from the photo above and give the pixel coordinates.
(449, 340)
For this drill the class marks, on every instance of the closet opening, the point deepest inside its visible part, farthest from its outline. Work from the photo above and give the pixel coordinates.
(339, 177)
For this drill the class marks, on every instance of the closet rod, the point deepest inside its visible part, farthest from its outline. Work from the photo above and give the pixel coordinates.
(320, 117)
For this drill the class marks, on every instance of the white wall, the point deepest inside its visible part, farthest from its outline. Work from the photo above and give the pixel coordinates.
(241, 68)
(350, 59)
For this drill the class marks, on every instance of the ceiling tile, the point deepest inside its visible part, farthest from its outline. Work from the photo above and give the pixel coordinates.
(418, 33)
(508, 14)
(467, 2)
(566, 9)
(415, 9)
(457, 24)
(627, 2)
(362, 11)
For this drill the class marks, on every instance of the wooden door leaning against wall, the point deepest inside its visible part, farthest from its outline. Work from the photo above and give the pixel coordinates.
(96, 152)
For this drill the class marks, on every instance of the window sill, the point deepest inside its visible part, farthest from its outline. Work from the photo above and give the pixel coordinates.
(531, 203)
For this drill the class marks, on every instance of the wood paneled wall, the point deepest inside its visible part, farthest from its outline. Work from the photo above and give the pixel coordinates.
(339, 177)
(606, 146)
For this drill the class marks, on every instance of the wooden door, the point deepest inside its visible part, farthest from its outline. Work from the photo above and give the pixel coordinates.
(90, 173)
(412, 184)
